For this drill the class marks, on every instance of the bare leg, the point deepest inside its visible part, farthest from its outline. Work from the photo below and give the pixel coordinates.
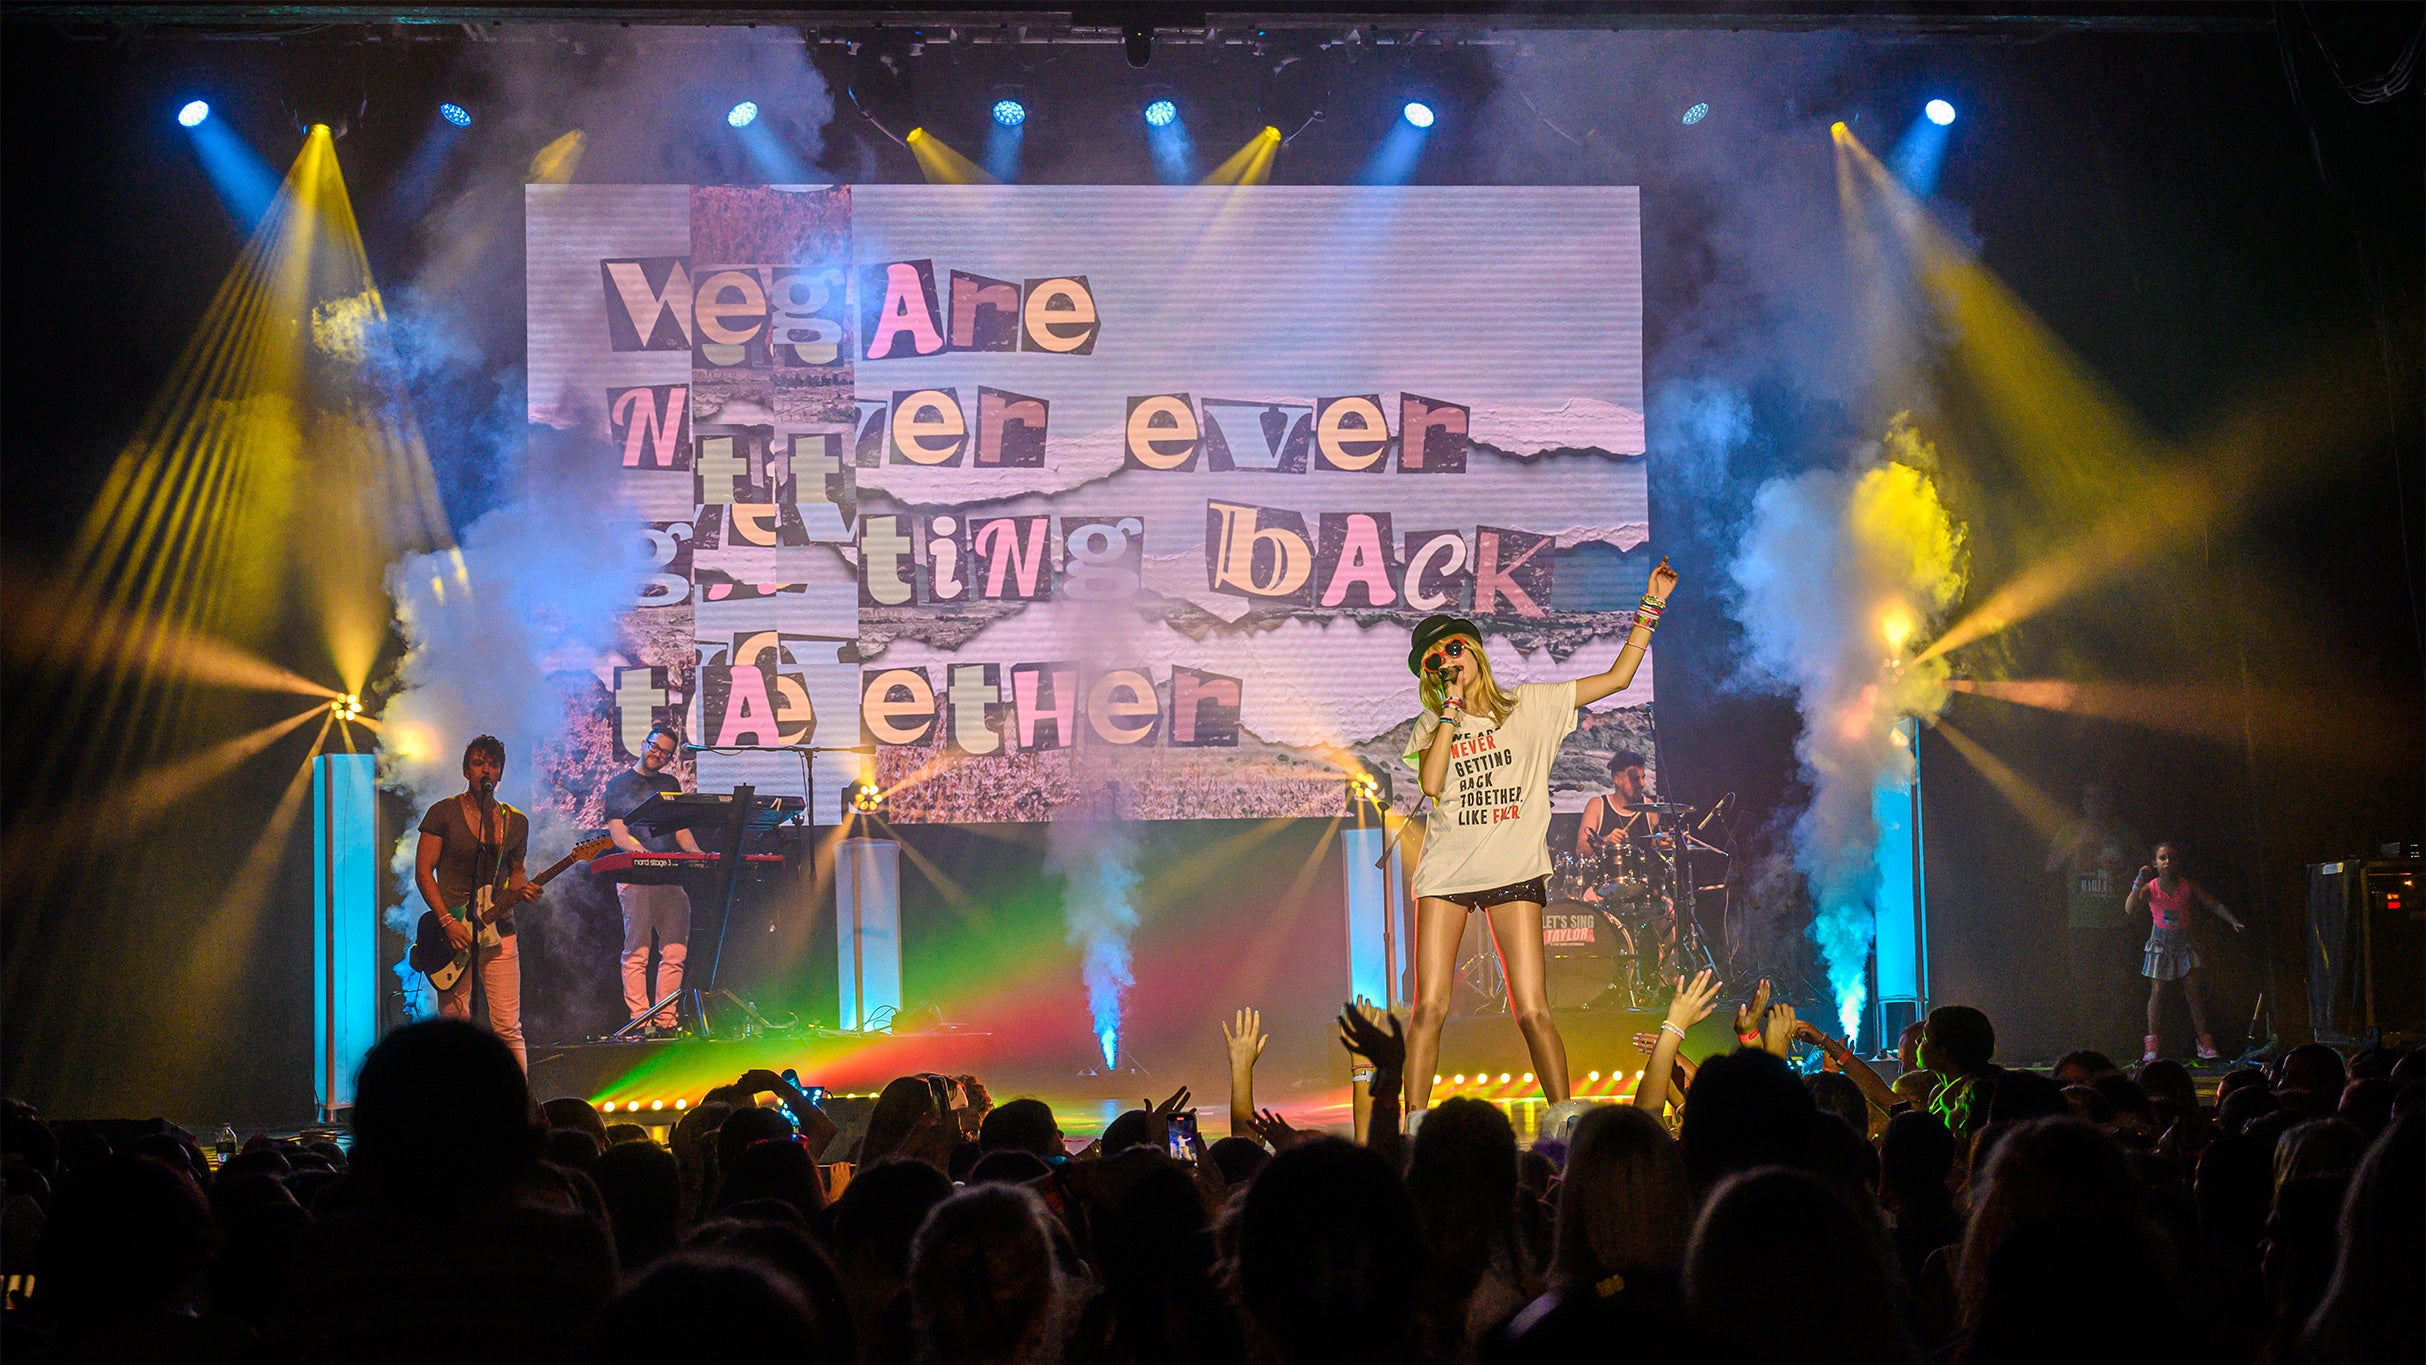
(2156, 1005)
(2190, 997)
(1516, 929)
(1439, 924)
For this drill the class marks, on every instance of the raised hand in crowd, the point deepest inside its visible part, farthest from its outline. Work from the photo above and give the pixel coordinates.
(1244, 1041)
(1694, 1001)
(817, 1129)
(1362, 1033)
(1159, 1116)
(980, 1103)
(1777, 1030)
(1748, 1015)
(1680, 1074)
(1276, 1132)
(931, 1138)
(1836, 1056)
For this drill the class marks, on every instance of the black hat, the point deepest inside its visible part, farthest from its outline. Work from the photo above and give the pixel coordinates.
(1434, 630)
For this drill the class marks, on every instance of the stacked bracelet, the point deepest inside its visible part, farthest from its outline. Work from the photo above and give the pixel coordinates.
(1646, 615)
(1667, 1027)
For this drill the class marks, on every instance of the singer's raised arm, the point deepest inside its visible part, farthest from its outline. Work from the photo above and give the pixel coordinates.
(1620, 673)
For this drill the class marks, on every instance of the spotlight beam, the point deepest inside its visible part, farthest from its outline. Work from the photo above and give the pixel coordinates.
(47, 630)
(2073, 443)
(2045, 814)
(2337, 726)
(140, 800)
(943, 166)
(1250, 164)
(236, 915)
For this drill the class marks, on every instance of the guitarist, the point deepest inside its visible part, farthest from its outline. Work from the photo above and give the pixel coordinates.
(468, 842)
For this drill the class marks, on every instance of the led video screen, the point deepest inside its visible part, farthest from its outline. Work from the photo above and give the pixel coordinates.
(1105, 501)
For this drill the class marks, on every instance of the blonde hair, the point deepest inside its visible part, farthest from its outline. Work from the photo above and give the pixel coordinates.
(1495, 702)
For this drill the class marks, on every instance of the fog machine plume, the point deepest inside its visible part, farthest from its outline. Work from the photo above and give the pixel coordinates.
(1839, 576)
(1097, 862)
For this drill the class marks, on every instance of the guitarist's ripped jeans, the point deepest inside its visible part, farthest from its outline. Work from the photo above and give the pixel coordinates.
(500, 971)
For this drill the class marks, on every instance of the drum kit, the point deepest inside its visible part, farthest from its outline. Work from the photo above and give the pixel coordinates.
(1621, 927)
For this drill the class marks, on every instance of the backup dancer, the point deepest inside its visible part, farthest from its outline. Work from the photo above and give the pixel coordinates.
(2169, 955)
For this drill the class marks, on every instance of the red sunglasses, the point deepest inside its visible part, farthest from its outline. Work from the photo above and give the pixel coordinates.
(1455, 649)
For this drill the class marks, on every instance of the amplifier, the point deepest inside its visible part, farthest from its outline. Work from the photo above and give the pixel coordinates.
(2366, 948)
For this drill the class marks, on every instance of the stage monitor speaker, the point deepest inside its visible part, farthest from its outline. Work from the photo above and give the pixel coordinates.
(2366, 949)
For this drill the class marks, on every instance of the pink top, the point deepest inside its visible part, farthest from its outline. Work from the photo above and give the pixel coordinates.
(2171, 908)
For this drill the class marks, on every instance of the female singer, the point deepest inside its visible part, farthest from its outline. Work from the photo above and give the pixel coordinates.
(1484, 756)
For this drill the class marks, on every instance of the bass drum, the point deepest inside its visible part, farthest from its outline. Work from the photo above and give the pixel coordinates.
(1585, 952)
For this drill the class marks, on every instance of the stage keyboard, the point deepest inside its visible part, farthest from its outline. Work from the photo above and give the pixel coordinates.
(662, 869)
(666, 812)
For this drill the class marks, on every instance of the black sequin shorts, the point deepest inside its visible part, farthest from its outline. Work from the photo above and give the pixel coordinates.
(1536, 890)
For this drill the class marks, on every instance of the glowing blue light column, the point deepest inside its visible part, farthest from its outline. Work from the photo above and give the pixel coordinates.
(345, 941)
(1900, 952)
(1376, 905)
(867, 932)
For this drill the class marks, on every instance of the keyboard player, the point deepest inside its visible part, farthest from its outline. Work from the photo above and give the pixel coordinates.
(661, 911)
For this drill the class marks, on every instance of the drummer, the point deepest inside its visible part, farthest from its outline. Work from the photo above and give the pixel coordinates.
(1611, 821)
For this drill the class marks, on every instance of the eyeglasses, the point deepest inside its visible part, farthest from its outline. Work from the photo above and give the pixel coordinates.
(1455, 649)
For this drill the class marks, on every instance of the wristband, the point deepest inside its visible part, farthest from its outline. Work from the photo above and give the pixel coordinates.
(1749, 1039)
(1667, 1027)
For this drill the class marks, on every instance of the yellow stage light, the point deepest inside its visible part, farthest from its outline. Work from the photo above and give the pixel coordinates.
(555, 163)
(1896, 625)
(656, 1104)
(275, 476)
(943, 166)
(1250, 164)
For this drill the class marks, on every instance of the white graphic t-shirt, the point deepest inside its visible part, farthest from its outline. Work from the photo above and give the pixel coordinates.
(1493, 825)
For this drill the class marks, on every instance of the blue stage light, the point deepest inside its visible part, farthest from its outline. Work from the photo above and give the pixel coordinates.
(455, 114)
(1696, 114)
(1010, 113)
(1939, 112)
(1160, 113)
(193, 114)
(744, 114)
(1418, 113)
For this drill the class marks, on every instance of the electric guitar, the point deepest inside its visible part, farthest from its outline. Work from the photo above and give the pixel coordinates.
(437, 957)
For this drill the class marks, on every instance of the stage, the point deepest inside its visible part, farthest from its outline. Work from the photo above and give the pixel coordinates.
(1056, 501)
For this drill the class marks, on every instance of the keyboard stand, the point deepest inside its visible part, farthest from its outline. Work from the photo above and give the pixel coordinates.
(735, 827)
